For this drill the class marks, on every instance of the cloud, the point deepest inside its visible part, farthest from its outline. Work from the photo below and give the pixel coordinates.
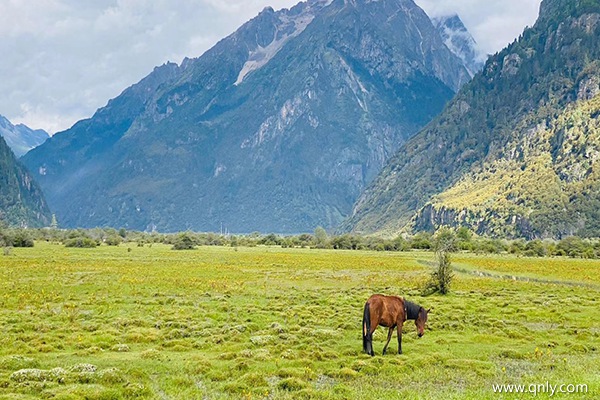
(63, 59)
(493, 24)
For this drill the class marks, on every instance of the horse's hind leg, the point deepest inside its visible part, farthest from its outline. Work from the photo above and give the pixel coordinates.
(390, 331)
(400, 338)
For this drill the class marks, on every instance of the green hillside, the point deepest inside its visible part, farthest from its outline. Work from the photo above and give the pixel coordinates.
(21, 201)
(548, 183)
(504, 158)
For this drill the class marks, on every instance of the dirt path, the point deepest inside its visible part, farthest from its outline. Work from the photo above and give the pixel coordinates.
(487, 274)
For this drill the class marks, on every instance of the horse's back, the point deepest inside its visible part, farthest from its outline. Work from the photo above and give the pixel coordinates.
(382, 299)
(387, 310)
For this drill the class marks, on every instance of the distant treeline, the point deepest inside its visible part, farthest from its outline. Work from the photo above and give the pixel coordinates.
(462, 239)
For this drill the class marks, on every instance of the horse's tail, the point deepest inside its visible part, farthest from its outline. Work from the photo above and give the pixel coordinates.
(366, 328)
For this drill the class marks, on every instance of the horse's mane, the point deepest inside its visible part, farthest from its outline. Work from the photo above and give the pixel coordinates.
(412, 310)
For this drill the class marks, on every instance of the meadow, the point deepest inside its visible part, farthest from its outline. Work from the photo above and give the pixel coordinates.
(131, 321)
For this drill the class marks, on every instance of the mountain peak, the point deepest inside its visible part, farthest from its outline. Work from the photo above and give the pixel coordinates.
(510, 155)
(277, 128)
(458, 39)
(21, 138)
(269, 32)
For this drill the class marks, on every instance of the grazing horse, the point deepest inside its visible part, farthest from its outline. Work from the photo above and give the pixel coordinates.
(391, 312)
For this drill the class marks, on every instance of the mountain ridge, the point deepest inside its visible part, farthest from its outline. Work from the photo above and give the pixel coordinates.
(20, 138)
(281, 145)
(527, 84)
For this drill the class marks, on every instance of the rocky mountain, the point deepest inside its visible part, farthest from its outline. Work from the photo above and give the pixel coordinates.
(21, 200)
(458, 39)
(21, 138)
(277, 128)
(516, 151)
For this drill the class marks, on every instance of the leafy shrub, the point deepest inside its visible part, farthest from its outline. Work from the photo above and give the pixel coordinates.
(535, 248)
(22, 239)
(113, 240)
(421, 241)
(492, 246)
(16, 238)
(575, 247)
(271, 240)
(184, 242)
(81, 242)
(347, 242)
(517, 246)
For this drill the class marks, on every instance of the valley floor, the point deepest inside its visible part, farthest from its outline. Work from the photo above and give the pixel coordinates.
(272, 323)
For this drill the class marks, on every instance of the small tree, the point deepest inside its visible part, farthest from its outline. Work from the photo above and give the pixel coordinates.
(54, 223)
(441, 277)
(321, 238)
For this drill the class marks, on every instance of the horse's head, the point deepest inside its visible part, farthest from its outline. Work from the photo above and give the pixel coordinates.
(421, 321)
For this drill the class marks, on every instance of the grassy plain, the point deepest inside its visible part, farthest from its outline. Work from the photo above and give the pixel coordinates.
(272, 323)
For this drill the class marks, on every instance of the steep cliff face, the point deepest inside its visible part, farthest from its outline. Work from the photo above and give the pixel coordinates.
(514, 154)
(545, 184)
(21, 200)
(279, 127)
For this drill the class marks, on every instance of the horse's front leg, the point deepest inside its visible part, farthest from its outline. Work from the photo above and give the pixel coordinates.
(390, 331)
(400, 338)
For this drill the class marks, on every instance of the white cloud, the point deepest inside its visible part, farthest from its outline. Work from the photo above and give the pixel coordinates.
(63, 59)
(493, 23)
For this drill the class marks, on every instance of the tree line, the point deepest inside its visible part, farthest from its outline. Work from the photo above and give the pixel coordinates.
(463, 240)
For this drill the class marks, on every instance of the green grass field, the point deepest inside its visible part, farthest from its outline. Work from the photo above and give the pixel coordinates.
(272, 323)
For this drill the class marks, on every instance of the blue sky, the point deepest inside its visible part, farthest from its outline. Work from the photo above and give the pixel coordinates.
(63, 59)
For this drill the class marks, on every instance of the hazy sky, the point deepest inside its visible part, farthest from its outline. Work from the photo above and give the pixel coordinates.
(60, 60)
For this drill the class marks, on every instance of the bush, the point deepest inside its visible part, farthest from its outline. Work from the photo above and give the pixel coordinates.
(464, 234)
(535, 248)
(517, 246)
(271, 240)
(113, 240)
(184, 242)
(346, 242)
(575, 247)
(81, 242)
(492, 246)
(16, 238)
(22, 239)
(421, 241)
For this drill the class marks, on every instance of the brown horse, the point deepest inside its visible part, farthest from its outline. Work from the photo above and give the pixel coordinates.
(391, 312)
